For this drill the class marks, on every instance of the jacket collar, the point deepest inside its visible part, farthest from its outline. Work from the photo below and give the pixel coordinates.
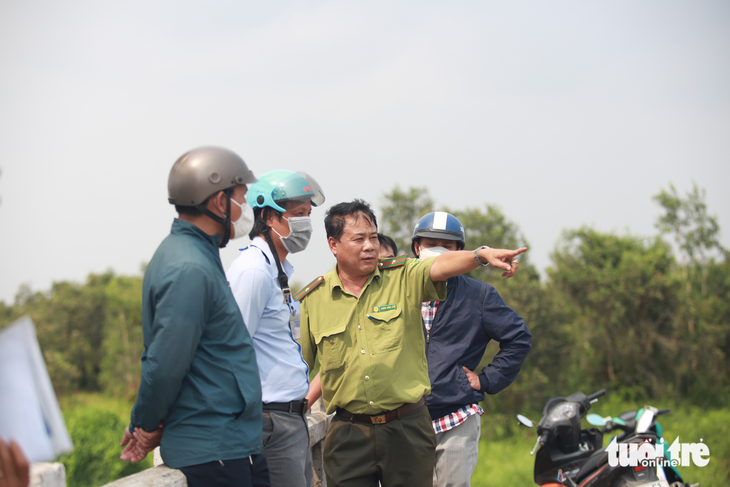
(181, 227)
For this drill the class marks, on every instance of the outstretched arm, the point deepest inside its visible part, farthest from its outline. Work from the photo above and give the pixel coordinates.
(459, 262)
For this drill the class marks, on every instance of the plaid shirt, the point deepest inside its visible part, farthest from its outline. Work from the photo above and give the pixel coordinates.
(428, 311)
(450, 421)
(454, 419)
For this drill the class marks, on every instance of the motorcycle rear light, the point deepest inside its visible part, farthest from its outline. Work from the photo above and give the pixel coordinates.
(639, 468)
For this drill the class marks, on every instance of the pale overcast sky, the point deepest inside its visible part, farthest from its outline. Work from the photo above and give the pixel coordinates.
(564, 113)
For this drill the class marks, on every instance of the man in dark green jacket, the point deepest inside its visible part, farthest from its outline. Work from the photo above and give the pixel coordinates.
(200, 388)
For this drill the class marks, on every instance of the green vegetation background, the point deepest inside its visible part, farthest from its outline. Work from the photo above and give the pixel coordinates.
(504, 447)
(645, 317)
(96, 423)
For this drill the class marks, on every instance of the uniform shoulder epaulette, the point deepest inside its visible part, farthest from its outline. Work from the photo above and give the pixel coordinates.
(309, 288)
(393, 262)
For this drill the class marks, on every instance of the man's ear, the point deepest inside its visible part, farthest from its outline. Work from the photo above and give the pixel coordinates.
(417, 248)
(270, 215)
(333, 245)
(217, 203)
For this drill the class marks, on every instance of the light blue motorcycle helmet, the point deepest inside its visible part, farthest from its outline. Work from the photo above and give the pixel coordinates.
(274, 188)
(439, 224)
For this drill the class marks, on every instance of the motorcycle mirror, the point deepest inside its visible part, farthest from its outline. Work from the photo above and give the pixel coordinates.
(643, 420)
(525, 421)
(596, 420)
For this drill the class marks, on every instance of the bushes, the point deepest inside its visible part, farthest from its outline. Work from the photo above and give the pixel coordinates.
(95, 458)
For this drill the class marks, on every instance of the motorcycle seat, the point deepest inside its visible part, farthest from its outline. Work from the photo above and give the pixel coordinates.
(594, 462)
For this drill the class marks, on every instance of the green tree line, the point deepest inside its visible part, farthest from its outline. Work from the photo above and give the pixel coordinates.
(90, 334)
(91, 338)
(642, 316)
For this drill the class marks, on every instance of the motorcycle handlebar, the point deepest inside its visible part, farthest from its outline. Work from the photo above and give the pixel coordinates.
(595, 395)
(663, 411)
(541, 440)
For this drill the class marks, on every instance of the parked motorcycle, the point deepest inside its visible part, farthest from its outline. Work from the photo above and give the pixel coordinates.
(570, 456)
(642, 421)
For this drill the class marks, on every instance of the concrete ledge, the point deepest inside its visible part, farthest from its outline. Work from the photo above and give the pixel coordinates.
(47, 475)
(162, 476)
(317, 422)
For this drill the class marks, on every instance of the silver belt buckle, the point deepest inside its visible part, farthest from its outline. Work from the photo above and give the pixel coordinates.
(379, 419)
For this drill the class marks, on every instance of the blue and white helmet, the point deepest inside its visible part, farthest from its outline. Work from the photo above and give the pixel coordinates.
(439, 224)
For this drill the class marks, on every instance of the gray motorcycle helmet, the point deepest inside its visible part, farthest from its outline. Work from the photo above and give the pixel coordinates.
(201, 172)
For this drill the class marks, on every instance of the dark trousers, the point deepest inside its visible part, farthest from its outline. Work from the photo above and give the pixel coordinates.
(398, 453)
(241, 472)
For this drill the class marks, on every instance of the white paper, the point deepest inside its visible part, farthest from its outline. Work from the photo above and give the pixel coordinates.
(29, 412)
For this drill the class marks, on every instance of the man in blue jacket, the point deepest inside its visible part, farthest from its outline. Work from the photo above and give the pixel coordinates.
(457, 331)
(200, 385)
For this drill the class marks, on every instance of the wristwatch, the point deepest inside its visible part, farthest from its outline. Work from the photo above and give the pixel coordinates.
(477, 259)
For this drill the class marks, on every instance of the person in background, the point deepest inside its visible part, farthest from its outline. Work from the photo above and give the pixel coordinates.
(282, 202)
(388, 248)
(14, 467)
(199, 374)
(457, 331)
(362, 321)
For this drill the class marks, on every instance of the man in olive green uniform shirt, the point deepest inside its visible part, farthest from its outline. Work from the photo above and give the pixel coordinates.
(363, 321)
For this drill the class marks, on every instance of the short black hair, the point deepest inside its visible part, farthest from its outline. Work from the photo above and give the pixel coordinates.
(195, 210)
(388, 242)
(259, 221)
(334, 220)
(188, 210)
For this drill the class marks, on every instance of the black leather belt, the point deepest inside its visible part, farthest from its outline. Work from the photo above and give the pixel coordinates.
(384, 417)
(298, 407)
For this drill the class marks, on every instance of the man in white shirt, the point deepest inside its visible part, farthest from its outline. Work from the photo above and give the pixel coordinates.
(282, 201)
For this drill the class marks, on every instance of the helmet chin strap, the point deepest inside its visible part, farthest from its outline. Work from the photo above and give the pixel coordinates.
(283, 281)
(225, 222)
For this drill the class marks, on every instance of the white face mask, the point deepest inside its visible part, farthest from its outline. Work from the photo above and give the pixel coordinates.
(244, 224)
(300, 230)
(432, 252)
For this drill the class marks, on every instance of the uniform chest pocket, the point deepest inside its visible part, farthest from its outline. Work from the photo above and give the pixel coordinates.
(332, 347)
(387, 330)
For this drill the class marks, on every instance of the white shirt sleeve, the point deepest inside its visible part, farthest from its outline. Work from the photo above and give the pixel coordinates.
(252, 290)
